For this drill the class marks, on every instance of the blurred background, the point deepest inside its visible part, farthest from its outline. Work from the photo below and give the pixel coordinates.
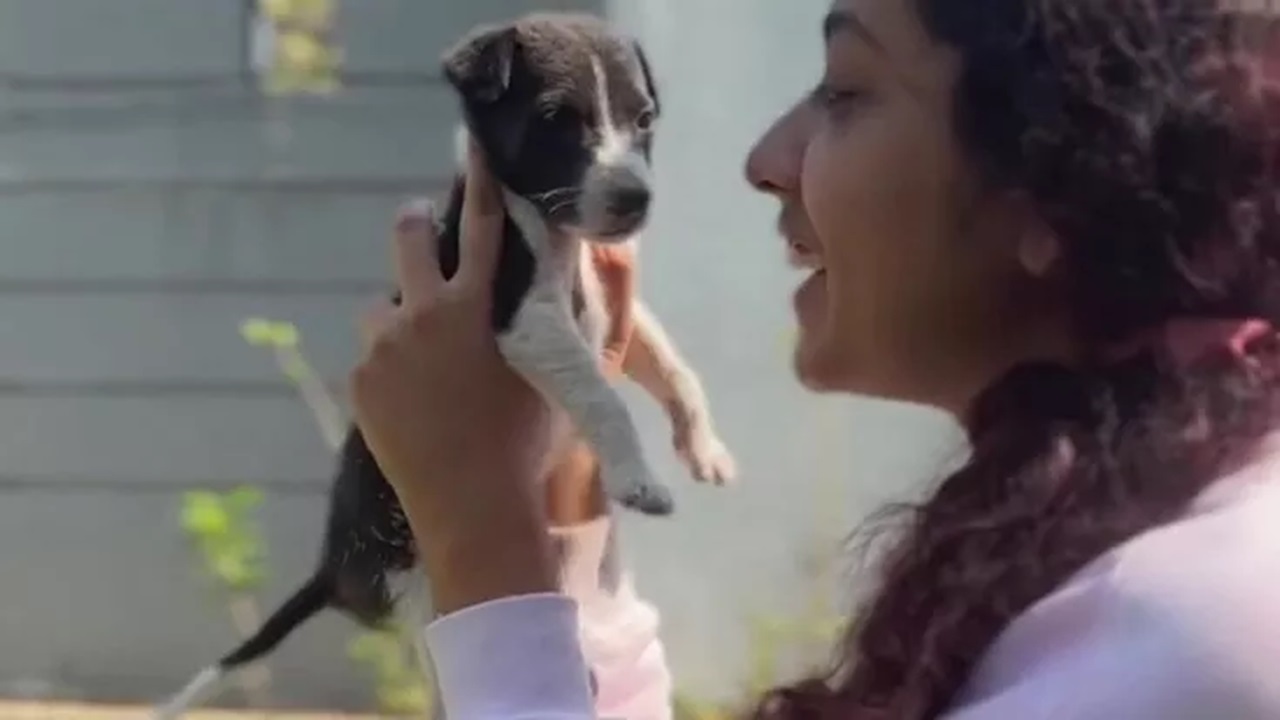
(194, 201)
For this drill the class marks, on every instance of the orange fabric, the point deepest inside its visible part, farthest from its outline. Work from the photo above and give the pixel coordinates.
(616, 267)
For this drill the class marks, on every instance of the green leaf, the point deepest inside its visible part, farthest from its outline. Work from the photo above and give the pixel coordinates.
(257, 331)
(285, 335)
(244, 499)
(204, 516)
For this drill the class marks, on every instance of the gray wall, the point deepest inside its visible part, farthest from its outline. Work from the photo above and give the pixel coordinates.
(139, 226)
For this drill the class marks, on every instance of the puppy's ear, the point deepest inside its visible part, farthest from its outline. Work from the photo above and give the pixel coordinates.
(479, 66)
(650, 85)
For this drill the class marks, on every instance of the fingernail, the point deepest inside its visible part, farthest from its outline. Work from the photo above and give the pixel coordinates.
(417, 208)
(414, 215)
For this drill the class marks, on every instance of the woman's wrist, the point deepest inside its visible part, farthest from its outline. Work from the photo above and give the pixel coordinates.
(469, 563)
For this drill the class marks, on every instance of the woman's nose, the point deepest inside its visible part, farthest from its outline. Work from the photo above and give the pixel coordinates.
(773, 165)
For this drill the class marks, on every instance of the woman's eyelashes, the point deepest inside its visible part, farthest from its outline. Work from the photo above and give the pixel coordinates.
(835, 99)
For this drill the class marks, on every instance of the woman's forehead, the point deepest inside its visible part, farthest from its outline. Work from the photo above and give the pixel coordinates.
(892, 29)
(891, 24)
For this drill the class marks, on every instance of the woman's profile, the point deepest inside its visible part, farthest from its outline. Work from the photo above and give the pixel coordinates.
(1058, 220)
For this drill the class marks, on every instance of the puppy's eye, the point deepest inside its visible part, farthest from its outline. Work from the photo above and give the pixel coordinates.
(645, 120)
(560, 116)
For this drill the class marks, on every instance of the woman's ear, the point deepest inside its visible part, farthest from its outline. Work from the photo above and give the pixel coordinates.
(1034, 246)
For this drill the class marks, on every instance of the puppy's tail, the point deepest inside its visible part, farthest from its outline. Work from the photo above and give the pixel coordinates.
(310, 599)
(306, 602)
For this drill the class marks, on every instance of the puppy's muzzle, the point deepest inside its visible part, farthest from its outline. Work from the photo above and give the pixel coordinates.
(626, 194)
(616, 202)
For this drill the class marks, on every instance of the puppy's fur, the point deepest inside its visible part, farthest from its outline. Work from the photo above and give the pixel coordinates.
(564, 109)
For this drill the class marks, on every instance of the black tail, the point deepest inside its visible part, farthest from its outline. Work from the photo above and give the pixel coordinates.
(307, 601)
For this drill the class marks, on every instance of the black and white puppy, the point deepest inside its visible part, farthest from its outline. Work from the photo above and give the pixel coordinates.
(564, 108)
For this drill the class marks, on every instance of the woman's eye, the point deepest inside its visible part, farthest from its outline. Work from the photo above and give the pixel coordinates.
(829, 97)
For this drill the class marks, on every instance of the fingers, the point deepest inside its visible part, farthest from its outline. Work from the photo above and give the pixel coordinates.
(482, 220)
(416, 265)
(375, 322)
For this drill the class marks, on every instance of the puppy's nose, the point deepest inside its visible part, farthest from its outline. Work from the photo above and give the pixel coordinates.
(628, 193)
(631, 200)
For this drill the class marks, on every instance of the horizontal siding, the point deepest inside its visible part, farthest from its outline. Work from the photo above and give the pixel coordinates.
(195, 235)
(400, 132)
(121, 36)
(162, 37)
(263, 438)
(164, 338)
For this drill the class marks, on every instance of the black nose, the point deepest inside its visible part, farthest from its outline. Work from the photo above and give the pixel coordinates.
(625, 193)
(629, 199)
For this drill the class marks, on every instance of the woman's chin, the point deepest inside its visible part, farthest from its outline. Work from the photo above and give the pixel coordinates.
(813, 365)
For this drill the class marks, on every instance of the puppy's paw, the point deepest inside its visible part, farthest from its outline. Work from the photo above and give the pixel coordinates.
(707, 457)
(633, 485)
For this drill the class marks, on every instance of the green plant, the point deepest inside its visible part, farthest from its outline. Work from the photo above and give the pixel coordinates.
(400, 686)
(285, 342)
(773, 639)
(686, 706)
(223, 528)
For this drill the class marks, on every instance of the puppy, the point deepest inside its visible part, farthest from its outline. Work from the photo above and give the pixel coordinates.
(564, 109)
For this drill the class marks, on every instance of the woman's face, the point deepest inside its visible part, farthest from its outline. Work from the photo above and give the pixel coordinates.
(914, 281)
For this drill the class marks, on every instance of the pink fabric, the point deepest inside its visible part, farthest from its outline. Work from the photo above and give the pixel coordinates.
(1180, 623)
(1189, 339)
(618, 631)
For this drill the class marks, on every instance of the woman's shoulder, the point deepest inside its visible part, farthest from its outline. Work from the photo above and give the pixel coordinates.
(1215, 568)
(1179, 621)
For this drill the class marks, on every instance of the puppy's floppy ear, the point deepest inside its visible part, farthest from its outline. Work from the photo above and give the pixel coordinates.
(479, 66)
(650, 85)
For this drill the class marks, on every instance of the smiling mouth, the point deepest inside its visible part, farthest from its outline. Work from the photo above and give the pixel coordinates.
(802, 258)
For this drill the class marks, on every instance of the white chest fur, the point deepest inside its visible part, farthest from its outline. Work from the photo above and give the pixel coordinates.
(563, 265)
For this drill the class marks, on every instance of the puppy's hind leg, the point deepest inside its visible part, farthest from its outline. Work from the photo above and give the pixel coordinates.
(543, 345)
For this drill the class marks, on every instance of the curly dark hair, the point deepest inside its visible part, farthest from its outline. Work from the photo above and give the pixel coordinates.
(1144, 132)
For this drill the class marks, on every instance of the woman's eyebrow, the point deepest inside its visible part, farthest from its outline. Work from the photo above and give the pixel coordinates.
(839, 22)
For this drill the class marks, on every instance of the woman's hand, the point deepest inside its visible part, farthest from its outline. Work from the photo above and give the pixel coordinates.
(456, 432)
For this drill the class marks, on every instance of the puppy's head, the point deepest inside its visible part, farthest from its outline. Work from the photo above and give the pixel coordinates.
(565, 109)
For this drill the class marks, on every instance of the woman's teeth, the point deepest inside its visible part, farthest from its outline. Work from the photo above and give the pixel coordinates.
(802, 259)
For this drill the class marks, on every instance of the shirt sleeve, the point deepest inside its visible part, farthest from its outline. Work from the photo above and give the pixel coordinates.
(515, 658)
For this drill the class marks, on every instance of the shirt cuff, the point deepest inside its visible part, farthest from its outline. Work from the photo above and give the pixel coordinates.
(515, 657)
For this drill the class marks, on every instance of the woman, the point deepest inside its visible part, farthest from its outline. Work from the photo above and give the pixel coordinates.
(1056, 219)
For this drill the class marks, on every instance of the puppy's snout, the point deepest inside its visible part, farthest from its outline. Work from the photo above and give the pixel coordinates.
(626, 193)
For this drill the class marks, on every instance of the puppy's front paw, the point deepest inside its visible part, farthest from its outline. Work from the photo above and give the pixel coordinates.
(634, 486)
(707, 457)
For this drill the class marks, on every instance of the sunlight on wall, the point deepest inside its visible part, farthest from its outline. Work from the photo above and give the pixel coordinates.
(714, 272)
